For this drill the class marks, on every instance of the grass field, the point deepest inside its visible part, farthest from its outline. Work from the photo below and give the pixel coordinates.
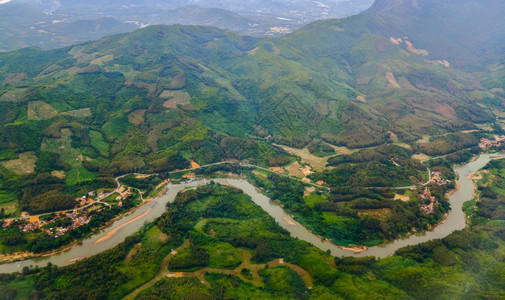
(79, 174)
(314, 198)
(6, 197)
(10, 207)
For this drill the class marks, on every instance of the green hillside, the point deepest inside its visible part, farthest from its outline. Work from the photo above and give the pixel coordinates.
(154, 99)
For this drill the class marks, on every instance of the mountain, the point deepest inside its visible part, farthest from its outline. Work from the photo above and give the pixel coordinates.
(224, 19)
(466, 33)
(293, 9)
(369, 90)
(54, 23)
(160, 96)
(23, 26)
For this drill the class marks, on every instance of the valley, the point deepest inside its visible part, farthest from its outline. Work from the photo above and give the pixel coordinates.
(332, 159)
(439, 256)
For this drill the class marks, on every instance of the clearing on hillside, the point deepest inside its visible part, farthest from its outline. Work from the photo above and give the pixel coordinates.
(317, 163)
(137, 117)
(25, 164)
(40, 110)
(176, 98)
(294, 170)
(78, 113)
(15, 95)
(14, 78)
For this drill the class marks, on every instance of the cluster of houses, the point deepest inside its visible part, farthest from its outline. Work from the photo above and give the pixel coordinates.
(426, 195)
(77, 220)
(78, 216)
(29, 223)
(486, 143)
(436, 178)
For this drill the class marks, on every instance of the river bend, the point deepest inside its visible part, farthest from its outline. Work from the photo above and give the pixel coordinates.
(126, 226)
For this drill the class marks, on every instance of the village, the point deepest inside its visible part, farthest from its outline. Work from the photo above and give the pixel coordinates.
(436, 177)
(426, 195)
(486, 143)
(57, 224)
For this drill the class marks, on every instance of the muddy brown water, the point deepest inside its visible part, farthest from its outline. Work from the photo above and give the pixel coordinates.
(155, 208)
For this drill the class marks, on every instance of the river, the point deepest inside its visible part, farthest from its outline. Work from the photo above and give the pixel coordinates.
(126, 226)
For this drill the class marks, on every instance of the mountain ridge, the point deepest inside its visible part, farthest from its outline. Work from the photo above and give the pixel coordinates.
(141, 101)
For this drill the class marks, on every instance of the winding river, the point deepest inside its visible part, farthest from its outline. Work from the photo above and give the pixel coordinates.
(126, 226)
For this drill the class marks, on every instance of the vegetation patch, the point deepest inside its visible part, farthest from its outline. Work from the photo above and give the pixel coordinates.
(14, 78)
(190, 259)
(223, 256)
(283, 282)
(99, 143)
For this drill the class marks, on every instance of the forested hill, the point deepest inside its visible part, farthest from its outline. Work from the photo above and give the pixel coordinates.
(468, 33)
(158, 97)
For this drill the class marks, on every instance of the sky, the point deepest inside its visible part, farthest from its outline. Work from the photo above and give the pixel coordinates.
(4, 1)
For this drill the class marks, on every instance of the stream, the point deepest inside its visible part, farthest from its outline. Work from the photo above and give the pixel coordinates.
(120, 229)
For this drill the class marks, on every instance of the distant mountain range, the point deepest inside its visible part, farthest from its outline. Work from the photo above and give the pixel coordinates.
(51, 23)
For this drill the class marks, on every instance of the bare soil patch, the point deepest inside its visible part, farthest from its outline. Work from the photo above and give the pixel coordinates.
(317, 163)
(137, 117)
(176, 98)
(397, 41)
(294, 170)
(194, 164)
(402, 198)
(413, 49)
(309, 190)
(59, 174)
(360, 99)
(343, 150)
(392, 80)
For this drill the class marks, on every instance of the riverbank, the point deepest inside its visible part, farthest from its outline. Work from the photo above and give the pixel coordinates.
(21, 256)
(454, 221)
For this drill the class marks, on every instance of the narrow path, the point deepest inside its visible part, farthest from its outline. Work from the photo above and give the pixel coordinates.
(161, 274)
(284, 175)
(205, 166)
(200, 274)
